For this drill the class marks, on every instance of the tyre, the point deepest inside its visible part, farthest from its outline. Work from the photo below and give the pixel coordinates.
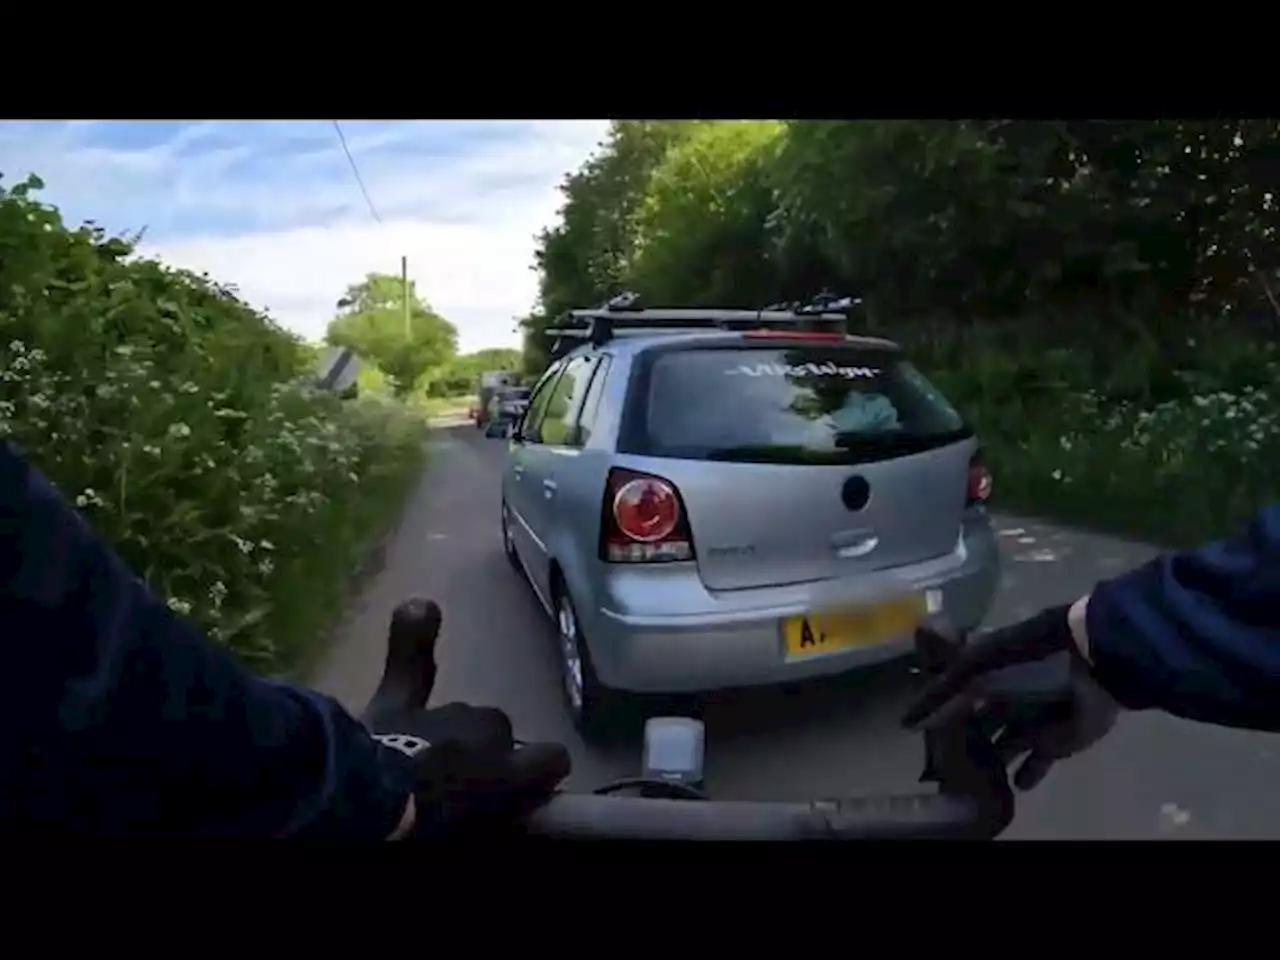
(596, 711)
(509, 544)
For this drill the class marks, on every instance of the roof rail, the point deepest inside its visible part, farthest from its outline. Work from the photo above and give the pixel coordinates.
(624, 301)
(625, 316)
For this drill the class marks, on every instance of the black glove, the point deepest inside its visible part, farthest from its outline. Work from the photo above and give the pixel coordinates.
(466, 768)
(469, 773)
(1029, 685)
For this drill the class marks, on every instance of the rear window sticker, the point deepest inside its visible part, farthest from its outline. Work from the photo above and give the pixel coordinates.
(827, 369)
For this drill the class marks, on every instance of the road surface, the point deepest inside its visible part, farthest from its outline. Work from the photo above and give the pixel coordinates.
(1155, 777)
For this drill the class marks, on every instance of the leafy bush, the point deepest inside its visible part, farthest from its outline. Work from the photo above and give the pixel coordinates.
(181, 422)
(1185, 459)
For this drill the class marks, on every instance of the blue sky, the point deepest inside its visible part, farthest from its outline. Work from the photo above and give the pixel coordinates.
(272, 206)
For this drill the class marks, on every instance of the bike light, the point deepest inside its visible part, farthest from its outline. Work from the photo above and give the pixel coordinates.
(673, 750)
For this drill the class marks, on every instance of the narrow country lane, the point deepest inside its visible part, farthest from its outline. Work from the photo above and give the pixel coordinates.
(1155, 777)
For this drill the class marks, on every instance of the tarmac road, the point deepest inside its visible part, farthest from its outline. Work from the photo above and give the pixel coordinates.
(1155, 777)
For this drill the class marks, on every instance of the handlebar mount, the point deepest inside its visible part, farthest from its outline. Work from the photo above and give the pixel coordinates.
(971, 800)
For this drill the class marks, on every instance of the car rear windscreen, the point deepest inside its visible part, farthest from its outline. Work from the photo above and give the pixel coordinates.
(518, 394)
(811, 404)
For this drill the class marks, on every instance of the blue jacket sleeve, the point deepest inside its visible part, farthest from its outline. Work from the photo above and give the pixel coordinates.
(1196, 633)
(121, 718)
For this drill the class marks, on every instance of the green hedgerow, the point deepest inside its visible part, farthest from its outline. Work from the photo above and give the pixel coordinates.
(1187, 464)
(183, 424)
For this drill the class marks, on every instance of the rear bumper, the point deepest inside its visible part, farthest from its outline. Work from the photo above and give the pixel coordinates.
(733, 638)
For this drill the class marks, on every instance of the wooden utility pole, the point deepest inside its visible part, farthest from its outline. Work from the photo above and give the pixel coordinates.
(408, 314)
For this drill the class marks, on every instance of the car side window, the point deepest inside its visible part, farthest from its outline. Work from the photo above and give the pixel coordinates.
(566, 396)
(591, 402)
(530, 428)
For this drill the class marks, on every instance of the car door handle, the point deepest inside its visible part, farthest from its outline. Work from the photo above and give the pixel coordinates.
(517, 471)
(548, 488)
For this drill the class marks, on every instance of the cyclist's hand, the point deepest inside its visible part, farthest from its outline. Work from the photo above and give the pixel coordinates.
(1028, 684)
(468, 770)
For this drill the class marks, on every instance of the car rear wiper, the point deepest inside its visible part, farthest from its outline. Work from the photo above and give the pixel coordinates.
(856, 440)
(770, 453)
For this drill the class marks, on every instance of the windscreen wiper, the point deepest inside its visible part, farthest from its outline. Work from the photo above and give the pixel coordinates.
(770, 453)
(895, 442)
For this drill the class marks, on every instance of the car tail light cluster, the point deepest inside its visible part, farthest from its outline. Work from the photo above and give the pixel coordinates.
(643, 520)
(979, 482)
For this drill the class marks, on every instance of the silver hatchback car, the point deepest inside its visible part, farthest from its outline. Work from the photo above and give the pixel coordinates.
(713, 499)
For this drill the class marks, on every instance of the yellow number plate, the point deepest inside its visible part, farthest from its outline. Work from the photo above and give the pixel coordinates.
(834, 630)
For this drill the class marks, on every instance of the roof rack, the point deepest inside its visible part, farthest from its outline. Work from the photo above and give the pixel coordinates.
(623, 315)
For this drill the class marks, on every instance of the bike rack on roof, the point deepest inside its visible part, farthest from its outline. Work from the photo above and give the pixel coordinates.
(624, 316)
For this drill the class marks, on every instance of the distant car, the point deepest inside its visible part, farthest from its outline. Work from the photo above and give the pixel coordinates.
(490, 384)
(505, 408)
(700, 508)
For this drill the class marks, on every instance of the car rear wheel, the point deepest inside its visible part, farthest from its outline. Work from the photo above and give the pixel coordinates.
(508, 542)
(592, 707)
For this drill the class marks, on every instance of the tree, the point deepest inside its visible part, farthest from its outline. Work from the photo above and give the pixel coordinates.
(371, 322)
(584, 259)
(1054, 233)
(699, 233)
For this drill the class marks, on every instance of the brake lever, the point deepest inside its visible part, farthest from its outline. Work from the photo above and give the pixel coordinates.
(409, 673)
(960, 756)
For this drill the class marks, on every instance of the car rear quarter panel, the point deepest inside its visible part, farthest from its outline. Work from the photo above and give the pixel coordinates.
(581, 473)
(574, 540)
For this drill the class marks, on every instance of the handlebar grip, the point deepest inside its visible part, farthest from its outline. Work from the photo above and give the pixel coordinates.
(922, 816)
(409, 673)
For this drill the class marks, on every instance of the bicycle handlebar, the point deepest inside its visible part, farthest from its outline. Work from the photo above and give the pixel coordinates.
(919, 816)
(973, 801)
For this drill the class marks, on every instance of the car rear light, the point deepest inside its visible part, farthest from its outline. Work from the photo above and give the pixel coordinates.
(795, 335)
(644, 520)
(979, 482)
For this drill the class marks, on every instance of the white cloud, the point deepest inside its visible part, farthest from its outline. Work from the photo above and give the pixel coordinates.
(273, 208)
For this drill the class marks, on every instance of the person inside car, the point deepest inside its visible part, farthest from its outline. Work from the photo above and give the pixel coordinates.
(122, 718)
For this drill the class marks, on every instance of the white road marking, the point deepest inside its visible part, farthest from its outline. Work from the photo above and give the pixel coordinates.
(1173, 817)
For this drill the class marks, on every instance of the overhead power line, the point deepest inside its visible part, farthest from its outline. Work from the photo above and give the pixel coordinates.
(404, 261)
(356, 171)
